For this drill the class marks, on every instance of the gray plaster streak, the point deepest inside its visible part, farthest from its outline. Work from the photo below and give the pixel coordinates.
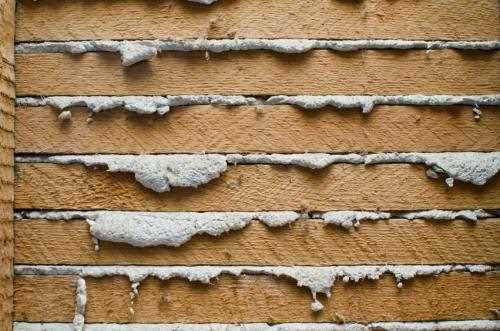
(138, 104)
(478, 325)
(157, 172)
(140, 50)
(316, 279)
(471, 167)
(366, 103)
(470, 215)
(312, 161)
(205, 2)
(80, 305)
(350, 219)
(161, 172)
(161, 105)
(175, 229)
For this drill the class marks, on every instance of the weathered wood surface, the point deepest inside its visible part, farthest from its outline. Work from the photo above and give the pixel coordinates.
(455, 296)
(252, 188)
(136, 19)
(271, 129)
(308, 242)
(6, 160)
(262, 73)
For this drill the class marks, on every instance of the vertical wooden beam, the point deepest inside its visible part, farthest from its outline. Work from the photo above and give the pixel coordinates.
(7, 95)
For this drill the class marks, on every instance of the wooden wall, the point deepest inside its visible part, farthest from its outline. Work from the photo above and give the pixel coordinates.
(250, 129)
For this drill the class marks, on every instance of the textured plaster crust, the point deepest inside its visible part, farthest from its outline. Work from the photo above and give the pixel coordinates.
(478, 325)
(161, 105)
(162, 172)
(136, 51)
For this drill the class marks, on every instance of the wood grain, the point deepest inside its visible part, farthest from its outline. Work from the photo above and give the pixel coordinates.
(308, 242)
(271, 129)
(252, 188)
(455, 296)
(7, 94)
(136, 19)
(262, 73)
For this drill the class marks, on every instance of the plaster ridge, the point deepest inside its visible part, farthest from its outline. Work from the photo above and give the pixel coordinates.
(478, 325)
(319, 280)
(162, 104)
(134, 51)
(161, 172)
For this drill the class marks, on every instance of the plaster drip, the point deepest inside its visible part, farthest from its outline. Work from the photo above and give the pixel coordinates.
(466, 325)
(80, 304)
(319, 280)
(173, 229)
(162, 172)
(134, 51)
(162, 104)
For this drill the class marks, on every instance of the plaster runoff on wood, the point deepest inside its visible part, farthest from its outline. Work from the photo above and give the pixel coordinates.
(145, 229)
(141, 50)
(162, 172)
(319, 280)
(478, 325)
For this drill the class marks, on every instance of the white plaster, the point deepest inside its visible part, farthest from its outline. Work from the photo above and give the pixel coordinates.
(350, 219)
(316, 279)
(80, 304)
(65, 116)
(470, 215)
(478, 325)
(161, 172)
(135, 51)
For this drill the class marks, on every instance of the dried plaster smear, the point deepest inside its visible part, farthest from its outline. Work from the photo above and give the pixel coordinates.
(319, 280)
(162, 172)
(161, 105)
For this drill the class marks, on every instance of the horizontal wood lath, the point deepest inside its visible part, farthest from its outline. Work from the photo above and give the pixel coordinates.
(280, 129)
(302, 243)
(252, 188)
(262, 73)
(455, 296)
(79, 20)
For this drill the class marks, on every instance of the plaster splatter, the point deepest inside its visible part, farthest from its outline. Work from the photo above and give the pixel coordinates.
(161, 172)
(316, 279)
(135, 51)
(350, 219)
(478, 325)
(366, 103)
(161, 105)
(80, 304)
(138, 104)
(65, 116)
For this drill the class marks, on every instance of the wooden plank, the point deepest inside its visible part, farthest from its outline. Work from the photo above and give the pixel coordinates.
(135, 19)
(272, 129)
(308, 242)
(251, 188)
(7, 94)
(455, 296)
(262, 73)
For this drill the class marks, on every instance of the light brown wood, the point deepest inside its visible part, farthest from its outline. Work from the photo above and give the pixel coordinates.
(279, 129)
(251, 188)
(455, 296)
(307, 242)
(262, 73)
(6, 161)
(136, 19)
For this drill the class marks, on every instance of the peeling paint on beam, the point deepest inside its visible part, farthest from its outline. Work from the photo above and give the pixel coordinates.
(478, 325)
(316, 279)
(162, 172)
(141, 50)
(161, 105)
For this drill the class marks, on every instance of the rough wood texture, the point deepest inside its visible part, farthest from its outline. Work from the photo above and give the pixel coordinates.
(280, 129)
(6, 160)
(252, 187)
(302, 243)
(67, 19)
(454, 296)
(263, 73)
